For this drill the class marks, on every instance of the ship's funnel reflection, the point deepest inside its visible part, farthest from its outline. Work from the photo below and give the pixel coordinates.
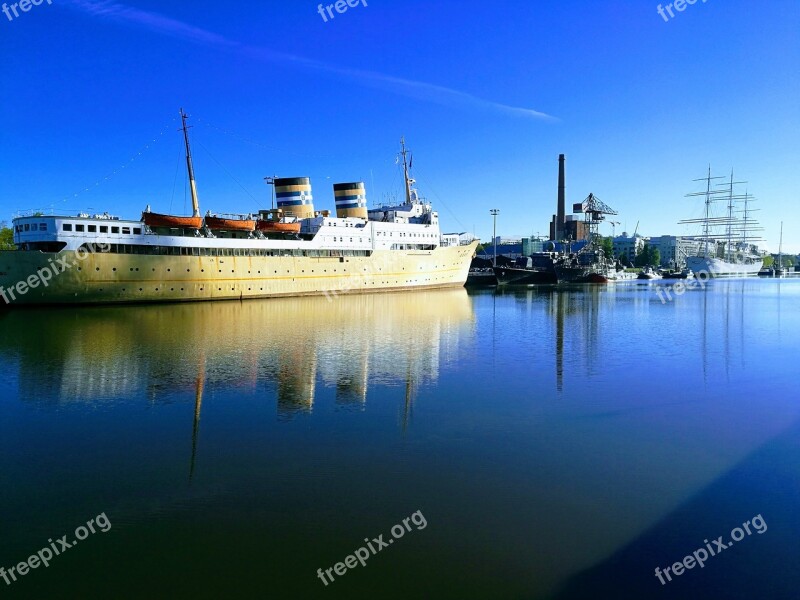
(284, 347)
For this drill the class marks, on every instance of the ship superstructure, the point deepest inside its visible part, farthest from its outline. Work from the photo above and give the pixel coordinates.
(291, 250)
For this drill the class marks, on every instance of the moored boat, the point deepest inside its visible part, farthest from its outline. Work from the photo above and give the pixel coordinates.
(537, 269)
(648, 273)
(728, 249)
(678, 274)
(83, 259)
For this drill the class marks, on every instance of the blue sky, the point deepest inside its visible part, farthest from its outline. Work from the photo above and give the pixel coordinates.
(486, 93)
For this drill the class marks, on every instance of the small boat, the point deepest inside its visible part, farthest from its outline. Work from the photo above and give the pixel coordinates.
(236, 224)
(152, 219)
(678, 274)
(649, 273)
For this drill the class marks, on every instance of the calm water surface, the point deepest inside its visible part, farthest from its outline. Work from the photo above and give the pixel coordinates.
(560, 444)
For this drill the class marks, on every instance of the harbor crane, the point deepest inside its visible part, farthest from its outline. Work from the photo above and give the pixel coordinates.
(595, 211)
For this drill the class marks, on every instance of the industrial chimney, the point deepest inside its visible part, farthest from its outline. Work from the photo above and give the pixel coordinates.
(561, 218)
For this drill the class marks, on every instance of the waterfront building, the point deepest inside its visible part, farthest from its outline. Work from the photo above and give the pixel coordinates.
(674, 249)
(628, 246)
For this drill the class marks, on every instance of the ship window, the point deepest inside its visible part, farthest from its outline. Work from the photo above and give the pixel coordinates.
(27, 226)
(137, 231)
(103, 228)
(67, 227)
(79, 227)
(126, 230)
(42, 226)
(115, 230)
(92, 228)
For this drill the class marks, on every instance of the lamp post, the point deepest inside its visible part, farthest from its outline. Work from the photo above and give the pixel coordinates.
(494, 212)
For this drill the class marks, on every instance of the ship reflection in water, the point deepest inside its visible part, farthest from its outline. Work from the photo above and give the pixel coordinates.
(564, 442)
(286, 347)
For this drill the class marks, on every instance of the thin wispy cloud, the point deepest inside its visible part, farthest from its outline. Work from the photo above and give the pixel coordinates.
(437, 94)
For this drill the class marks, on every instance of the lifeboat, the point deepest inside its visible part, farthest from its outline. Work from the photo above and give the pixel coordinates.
(277, 227)
(219, 223)
(152, 219)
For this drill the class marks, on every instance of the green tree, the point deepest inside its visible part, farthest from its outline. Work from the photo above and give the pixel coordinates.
(6, 237)
(648, 257)
(607, 245)
(768, 261)
(642, 256)
(655, 257)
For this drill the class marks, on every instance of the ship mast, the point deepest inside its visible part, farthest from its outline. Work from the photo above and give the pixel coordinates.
(730, 219)
(405, 153)
(708, 209)
(192, 184)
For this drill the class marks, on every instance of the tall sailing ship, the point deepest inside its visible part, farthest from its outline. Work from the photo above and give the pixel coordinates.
(728, 248)
(289, 251)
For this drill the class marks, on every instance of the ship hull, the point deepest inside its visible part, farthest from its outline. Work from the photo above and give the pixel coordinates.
(101, 278)
(517, 276)
(716, 267)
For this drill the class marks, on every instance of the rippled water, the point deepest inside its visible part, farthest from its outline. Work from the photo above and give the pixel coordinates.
(559, 443)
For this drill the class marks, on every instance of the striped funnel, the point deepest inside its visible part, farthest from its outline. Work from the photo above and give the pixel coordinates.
(351, 200)
(293, 195)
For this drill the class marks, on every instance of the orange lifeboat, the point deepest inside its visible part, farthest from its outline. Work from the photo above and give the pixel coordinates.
(277, 227)
(219, 223)
(152, 219)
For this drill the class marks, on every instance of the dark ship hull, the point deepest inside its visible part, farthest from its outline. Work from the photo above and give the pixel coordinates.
(537, 269)
(522, 276)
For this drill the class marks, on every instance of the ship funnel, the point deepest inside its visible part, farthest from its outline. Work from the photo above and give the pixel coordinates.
(294, 198)
(351, 200)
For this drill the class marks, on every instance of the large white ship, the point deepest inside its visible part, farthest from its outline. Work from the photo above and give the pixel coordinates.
(728, 248)
(288, 251)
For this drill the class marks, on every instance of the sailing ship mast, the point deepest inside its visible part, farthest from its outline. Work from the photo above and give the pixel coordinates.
(190, 167)
(707, 220)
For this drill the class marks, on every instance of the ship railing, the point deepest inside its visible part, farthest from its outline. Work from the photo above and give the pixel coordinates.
(50, 212)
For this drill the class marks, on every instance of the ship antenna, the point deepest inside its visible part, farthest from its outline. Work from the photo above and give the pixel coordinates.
(190, 167)
(271, 181)
(405, 152)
